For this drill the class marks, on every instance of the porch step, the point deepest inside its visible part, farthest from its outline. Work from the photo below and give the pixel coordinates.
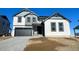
(36, 36)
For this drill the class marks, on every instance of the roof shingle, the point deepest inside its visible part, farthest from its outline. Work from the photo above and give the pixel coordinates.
(41, 18)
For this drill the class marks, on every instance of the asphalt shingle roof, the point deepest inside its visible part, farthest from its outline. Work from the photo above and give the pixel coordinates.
(41, 18)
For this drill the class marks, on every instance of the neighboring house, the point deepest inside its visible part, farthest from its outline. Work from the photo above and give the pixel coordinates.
(4, 25)
(27, 23)
(76, 31)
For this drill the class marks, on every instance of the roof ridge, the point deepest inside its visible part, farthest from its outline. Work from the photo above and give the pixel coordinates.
(41, 16)
(57, 14)
(23, 9)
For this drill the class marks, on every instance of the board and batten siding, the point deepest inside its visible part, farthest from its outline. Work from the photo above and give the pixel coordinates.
(31, 19)
(49, 33)
(23, 23)
(15, 21)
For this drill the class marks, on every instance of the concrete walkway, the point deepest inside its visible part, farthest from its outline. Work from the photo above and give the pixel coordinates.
(14, 44)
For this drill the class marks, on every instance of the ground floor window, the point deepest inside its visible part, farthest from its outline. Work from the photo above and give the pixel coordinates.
(53, 26)
(61, 27)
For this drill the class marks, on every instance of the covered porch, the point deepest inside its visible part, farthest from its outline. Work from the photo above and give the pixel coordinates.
(76, 31)
(37, 29)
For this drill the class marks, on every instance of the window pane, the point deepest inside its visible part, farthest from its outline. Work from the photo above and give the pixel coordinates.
(53, 26)
(19, 19)
(34, 19)
(28, 19)
(61, 27)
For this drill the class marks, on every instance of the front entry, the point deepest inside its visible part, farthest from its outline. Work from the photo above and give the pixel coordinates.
(39, 30)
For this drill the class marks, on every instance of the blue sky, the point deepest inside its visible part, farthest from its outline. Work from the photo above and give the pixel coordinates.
(71, 13)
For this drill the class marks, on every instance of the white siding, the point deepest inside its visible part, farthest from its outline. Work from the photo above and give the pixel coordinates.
(17, 24)
(22, 24)
(31, 17)
(49, 33)
(24, 20)
(15, 21)
(23, 13)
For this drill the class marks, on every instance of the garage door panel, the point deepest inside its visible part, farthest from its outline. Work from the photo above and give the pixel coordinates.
(23, 32)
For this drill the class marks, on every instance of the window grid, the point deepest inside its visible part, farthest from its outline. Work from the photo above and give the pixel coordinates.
(19, 19)
(61, 29)
(28, 19)
(34, 19)
(53, 27)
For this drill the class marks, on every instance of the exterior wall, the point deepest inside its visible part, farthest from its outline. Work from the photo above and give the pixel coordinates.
(31, 16)
(16, 24)
(49, 33)
(24, 20)
(23, 23)
(15, 21)
(23, 13)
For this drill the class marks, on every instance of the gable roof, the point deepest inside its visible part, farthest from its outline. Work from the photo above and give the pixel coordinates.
(56, 14)
(30, 14)
(77, 27)
(24, 12)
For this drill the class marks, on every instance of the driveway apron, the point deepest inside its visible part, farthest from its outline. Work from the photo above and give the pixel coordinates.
(14, 44)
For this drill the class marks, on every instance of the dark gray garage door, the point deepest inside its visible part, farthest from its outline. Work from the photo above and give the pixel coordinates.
(23, 31)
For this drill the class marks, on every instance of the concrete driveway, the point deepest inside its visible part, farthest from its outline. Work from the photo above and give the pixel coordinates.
(14, 44)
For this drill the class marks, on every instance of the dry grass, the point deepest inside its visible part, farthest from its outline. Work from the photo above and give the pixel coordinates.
(4, 38)
(72, 39)
(45, 45)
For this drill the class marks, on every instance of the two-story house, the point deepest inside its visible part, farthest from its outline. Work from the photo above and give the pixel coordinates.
(27, 23)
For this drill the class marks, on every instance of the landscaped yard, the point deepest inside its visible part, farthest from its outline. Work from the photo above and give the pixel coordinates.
(52, 44)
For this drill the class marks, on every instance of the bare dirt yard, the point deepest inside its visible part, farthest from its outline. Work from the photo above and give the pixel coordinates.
(53, 44)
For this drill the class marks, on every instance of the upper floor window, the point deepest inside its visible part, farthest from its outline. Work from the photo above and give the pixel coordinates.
(61, 27)
(53, 26)
(19, 19)
(34, 19)
(28, 19)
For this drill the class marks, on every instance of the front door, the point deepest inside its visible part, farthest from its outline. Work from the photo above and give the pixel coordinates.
(39, 29)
